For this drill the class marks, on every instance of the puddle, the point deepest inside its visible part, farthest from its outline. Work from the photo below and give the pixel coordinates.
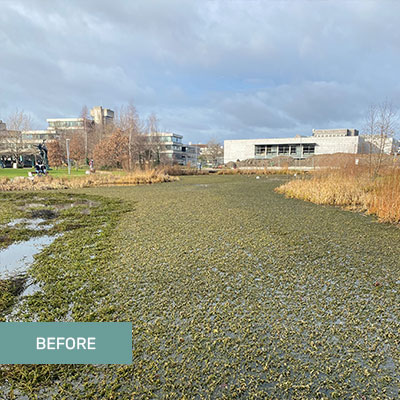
(30, 289)
(16, 258)
(34, 224)
(89, 203)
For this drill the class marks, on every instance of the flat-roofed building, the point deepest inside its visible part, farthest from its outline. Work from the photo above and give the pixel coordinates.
(298, 147)
(65, 123)
(334, 132)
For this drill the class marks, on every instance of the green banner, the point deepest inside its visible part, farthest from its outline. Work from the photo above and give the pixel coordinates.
(66, 343)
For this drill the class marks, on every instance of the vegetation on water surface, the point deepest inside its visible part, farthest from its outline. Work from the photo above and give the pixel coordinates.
(233, 290)
(357, 190)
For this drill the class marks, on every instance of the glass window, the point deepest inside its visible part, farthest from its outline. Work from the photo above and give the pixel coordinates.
(283, 149)
(260, 149)
(308, 148)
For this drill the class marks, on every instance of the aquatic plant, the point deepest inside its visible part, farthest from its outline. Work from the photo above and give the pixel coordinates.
(234, 292)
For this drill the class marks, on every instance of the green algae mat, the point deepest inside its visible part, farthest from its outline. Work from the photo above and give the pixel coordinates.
(234, 292)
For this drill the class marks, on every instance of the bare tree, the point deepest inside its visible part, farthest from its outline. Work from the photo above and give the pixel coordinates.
(380, 126)
(17, 122)
(153, 145)
(214, 152)
(130, 125)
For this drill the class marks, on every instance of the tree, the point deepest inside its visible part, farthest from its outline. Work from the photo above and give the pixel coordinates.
(112, 151)
(55, 153)
(77, 147)
(214, 152)
(130, 125)
(153, 145)
(16, 122)
(380, 126)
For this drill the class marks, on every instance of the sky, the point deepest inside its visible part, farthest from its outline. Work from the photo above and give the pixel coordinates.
(209, 69)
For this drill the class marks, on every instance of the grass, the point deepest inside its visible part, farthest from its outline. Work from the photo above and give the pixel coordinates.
(56, 173)
(355, 190)
(234, 292)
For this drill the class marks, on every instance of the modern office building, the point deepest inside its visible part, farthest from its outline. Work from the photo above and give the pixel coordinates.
(171, 149)
(323, 141)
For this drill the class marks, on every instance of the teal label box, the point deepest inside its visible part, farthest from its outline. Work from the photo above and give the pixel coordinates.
(65, 343)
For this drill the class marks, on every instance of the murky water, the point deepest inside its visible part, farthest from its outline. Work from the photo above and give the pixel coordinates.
(16, 258)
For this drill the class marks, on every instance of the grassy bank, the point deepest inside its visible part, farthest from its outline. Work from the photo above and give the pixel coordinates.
(56, 173)
(98, 179)
(234, 292)
(356, 190)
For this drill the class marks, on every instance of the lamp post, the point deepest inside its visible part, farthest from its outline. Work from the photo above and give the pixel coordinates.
(69, 161)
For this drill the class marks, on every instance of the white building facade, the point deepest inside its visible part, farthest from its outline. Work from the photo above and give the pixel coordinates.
(323, 141)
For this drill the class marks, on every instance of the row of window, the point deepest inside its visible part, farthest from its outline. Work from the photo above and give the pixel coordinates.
(27, 136)
(171, 138)
(66, 124)
(284, 149)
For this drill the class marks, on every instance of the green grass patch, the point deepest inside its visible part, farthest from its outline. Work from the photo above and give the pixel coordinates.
(57, 173)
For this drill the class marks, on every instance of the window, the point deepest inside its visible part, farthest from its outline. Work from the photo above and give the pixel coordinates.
(283, 149)
(260, 150)
(293, 149)
(271, 149)
(308, 148)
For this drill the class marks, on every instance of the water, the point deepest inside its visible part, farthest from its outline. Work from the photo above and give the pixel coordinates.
(34, 224)
(16, 258)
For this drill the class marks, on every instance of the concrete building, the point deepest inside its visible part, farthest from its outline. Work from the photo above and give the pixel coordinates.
(102, 116)
(334, 132)
(323, 141)
(171, 149)
(58, 124)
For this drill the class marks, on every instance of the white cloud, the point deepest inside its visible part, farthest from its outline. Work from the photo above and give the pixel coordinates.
(213, 68)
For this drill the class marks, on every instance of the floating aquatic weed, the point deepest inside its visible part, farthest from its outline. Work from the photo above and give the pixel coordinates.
(285, 306)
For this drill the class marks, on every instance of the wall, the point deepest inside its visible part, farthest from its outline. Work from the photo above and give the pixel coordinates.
(244, 149)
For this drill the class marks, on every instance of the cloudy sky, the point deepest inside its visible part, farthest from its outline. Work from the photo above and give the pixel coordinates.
(226, 69)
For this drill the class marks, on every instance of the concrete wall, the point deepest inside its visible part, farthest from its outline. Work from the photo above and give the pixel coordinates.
(375, 144)
(245, 149)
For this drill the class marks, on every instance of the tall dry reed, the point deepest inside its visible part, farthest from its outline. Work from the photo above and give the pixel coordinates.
(379, 196)
(48, 182)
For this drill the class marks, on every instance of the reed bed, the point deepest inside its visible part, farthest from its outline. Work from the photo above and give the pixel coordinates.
(379, 196)
(49, 182)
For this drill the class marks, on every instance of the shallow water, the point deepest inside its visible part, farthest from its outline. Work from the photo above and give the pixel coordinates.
(16, 258)
(35, 223)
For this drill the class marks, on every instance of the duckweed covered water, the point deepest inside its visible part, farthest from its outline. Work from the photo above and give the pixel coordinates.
(233, 291)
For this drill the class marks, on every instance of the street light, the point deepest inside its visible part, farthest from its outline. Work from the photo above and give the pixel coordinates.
(69, 161)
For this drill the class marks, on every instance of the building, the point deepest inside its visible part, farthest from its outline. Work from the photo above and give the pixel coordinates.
(58, 124)
(25, 143)
(334, 132)
(170, 148)
(102, 116)
(211, 154)
(323, 141)
(189, 155)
